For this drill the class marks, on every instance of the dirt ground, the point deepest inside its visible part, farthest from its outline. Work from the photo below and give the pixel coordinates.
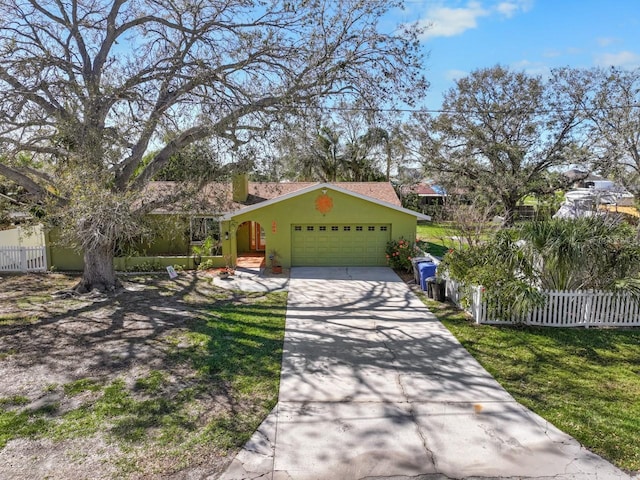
(49, 340)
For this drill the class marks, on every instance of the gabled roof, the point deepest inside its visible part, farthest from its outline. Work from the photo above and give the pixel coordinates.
(217, 197)
(338, 187)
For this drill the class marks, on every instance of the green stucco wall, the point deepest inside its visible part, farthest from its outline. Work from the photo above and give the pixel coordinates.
(243, 238)
(59, 256)
(277, 220)
(170, 246)
(170, 236)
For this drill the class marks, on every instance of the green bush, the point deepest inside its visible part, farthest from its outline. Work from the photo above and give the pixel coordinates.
(399, 254)
(515, 265)
(207, 264)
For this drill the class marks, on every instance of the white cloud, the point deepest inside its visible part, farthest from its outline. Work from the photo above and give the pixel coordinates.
(572, 51)
(551, 53)
(510, 8)
(447, 22)
(532, 68)
(442, 21)
(624, 59)
(606, 41)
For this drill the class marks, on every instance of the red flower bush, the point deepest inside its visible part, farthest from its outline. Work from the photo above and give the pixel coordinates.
(399, 254)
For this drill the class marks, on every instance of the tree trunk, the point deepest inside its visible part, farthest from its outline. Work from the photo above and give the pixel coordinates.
(509, 211)
(99, 273)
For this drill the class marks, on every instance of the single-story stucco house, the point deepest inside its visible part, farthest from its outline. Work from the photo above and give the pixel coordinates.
(306, 224)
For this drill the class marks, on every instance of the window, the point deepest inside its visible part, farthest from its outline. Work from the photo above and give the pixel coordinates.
(346, 228)
(204, 227)
(383, 228)
(309, 228)
(297, 228)
(334, 228)
(371, 228)
(322, 228)
(359, 228)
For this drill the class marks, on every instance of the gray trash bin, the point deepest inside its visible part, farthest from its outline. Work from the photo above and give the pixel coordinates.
(439, 289)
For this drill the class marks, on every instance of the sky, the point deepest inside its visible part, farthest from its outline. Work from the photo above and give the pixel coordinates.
(524, 35)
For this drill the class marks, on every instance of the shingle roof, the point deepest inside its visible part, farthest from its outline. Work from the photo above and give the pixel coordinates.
(217, 197)
(421, 189)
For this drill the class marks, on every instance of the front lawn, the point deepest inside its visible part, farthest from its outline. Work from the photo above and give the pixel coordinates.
(168, 378)
(437, 236)
(584, 381)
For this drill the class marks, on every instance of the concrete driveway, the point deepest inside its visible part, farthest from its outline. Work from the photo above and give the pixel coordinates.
(373, 386)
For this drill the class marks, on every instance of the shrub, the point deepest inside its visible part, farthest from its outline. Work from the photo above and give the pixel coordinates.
(207, 264)
(399, 254)
(594, 253)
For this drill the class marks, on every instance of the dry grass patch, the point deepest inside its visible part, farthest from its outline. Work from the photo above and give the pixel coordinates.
(164, 380)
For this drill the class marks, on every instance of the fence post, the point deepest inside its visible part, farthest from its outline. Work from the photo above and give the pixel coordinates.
(23, 259)
(477, 304)
(587, 309)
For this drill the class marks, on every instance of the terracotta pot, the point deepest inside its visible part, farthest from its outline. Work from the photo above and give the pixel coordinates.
(276, 269)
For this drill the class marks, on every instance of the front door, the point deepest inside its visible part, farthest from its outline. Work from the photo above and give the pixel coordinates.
(257, 237)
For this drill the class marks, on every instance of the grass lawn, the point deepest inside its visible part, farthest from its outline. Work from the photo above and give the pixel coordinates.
(584, 381)
(170, 377)
(438, 237)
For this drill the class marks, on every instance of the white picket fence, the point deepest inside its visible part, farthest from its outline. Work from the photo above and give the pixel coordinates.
(23, 259)
(579, 308)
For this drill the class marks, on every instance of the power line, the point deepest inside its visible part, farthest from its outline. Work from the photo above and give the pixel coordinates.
(477, 111)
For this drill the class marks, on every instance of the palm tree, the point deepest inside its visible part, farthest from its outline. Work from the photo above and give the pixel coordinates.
(594, 253)
(599, 252)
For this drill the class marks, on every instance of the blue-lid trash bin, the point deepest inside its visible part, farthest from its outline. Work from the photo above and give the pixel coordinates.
(414, 263)
(426, 270)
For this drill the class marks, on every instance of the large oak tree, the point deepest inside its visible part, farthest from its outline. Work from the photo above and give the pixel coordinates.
(500, 132)
(89, 87)
(613, 110)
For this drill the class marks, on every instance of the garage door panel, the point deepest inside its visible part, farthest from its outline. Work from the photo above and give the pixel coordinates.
(339, 245)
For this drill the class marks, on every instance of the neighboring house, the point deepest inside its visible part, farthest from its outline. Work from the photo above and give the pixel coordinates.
(424, 193)
(20, 236)
(430, 194)
(307, 224)
(23, 249)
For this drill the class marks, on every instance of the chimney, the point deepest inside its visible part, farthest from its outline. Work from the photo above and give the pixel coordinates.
(240, 185)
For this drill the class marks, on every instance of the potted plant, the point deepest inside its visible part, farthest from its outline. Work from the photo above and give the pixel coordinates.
(226, 272)
(275, 262)
(228, 269)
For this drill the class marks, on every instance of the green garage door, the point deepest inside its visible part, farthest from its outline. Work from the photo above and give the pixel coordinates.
(339, 245)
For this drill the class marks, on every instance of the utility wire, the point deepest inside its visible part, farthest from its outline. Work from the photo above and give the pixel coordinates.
(476, 111)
